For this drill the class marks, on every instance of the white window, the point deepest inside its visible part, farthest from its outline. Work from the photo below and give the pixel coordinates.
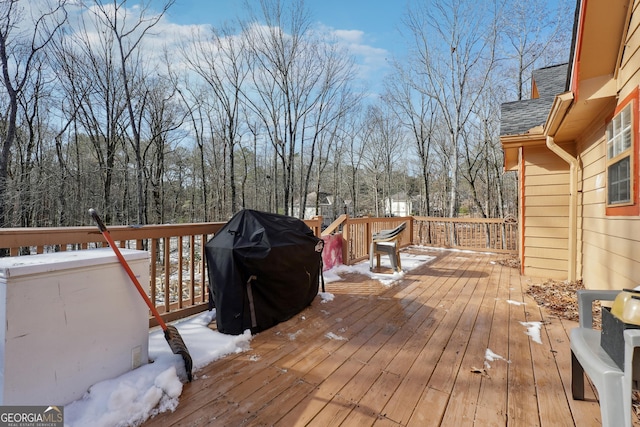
(619, 158)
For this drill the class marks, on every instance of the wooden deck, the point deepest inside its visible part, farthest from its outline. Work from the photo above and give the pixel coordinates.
(410, 354)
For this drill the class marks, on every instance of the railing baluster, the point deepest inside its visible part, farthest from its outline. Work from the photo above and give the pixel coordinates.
(154, 270)
(167, 273)
(192, 273)
(203, 293)
(180, 261)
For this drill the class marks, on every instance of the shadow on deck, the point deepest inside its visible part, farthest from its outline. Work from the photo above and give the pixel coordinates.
(447, 345)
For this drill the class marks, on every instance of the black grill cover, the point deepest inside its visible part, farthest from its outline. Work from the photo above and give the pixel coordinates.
(263, 269)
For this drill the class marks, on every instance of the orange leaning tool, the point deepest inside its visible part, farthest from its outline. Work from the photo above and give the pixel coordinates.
(171, 334)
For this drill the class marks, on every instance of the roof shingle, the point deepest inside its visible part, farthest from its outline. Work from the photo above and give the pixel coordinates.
(518, 117)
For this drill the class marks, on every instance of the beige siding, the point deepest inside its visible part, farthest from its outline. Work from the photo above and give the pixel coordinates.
(616, 237)
(543, 232)
(545, 273)
(546, 190)
(629, 75)
(546, 200)
(616, 246)
(546, 207)
(553, 243)
(610, 270)
(593, 199)
(608, 247)
(611, 245)
(549, 221)
(548, 254)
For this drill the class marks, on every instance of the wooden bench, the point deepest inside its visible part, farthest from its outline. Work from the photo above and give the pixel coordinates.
(587, 356)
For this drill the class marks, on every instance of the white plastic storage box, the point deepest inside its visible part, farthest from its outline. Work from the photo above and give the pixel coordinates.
(67, 321)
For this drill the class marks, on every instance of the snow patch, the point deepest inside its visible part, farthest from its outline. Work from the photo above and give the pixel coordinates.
(137, 395)
(293, 336)
(490, 356)
(407, 260)
(533, 330)
(326, 297)
(333, 336)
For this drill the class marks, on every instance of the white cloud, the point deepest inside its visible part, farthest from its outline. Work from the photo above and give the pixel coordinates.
(370, 60)
(350, 36)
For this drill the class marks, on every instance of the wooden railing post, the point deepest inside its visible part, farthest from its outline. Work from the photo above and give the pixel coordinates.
(345, 240)
(369, 234)
(411, 231)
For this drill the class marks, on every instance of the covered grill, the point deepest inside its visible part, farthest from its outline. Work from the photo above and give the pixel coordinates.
(263, 269)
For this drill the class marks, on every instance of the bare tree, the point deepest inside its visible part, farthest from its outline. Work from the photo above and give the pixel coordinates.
(128, 35)
(164, 116)
(300, 86)
(483, 159)
(93, 85)
(281, 79)
(333, 100)
(220, 60)
(383, 141)
(419, 116)
(454, 44)
(29, 141)
(23, 40)
(533, 34)
(354, 135)
(107, 130)
(192, 100)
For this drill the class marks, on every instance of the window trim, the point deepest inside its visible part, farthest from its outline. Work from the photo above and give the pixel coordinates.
(632, 207)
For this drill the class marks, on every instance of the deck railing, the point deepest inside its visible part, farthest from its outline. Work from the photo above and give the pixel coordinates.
(177, 273)
(478, 234)
(178, 276)
(357, 232)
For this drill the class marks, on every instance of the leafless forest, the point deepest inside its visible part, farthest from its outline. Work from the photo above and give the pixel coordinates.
(97, 110)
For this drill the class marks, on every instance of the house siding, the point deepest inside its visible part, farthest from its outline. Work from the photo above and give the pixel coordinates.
(608, 238)
(546, 219)
(610, 244)
(628, 74)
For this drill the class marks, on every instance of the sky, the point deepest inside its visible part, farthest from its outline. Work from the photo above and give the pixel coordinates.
(156, 387)
(378, 21)
(371, 30)
(368, 29)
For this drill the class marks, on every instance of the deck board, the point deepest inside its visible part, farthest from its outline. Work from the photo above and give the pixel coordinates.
(410, 354)
(491, 407)
(467, 387)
